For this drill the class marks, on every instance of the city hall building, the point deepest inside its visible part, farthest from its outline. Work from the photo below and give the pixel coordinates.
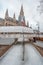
(8, 21)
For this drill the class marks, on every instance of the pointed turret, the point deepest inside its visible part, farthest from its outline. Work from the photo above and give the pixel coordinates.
(14, 18)
(21, 11)
(21, 18)
(6, 14)
(27, 24)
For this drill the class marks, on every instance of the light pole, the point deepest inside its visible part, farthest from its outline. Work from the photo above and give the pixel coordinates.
(23, 44)
(38, 29)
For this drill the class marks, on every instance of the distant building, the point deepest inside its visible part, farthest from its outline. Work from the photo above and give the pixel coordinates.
(8, 21)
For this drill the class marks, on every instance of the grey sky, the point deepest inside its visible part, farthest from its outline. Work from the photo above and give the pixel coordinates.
(30, 10)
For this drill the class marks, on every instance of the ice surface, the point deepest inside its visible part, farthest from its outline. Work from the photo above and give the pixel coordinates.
(32, 56)
(6, 41)
(39, 43)
(14, 56)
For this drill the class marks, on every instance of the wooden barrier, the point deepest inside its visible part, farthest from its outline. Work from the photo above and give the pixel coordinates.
(39, 38)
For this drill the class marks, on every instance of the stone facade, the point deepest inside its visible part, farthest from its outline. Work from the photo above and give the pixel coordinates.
(8, 21)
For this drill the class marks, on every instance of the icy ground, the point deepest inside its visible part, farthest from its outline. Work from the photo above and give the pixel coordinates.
(14, 56)
(6, 41)
(39, 43)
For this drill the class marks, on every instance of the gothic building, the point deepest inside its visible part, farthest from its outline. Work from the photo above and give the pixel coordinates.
(8, 21)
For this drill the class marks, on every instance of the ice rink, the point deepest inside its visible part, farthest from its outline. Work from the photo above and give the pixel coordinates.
(15, 55)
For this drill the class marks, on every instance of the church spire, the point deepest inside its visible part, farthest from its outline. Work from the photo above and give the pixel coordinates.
(27, 24)
(6, 14)
(21, 11)
(14, 18)
(14, 15)
(21, 18)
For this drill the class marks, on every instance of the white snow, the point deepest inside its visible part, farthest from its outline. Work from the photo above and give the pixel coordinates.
(21, 39)
(15, 29)
(14, 56)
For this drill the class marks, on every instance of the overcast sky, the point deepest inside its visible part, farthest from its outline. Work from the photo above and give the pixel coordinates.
(30, 10)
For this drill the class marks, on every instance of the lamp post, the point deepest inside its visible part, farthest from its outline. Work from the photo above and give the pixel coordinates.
(23, 44)
(38, 29)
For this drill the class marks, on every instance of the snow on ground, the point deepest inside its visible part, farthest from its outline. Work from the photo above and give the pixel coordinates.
(15, 29)
(14, 56)
(39, 43)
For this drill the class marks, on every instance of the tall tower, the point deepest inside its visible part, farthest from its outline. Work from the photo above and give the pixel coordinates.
(21, 17)
(6, 14)
(14, 18)
(27, 24)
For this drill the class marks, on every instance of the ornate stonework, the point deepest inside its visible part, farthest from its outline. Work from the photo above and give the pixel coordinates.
(8, 21)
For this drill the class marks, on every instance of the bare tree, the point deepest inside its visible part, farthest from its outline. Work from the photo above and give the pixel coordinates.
(40, 7)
